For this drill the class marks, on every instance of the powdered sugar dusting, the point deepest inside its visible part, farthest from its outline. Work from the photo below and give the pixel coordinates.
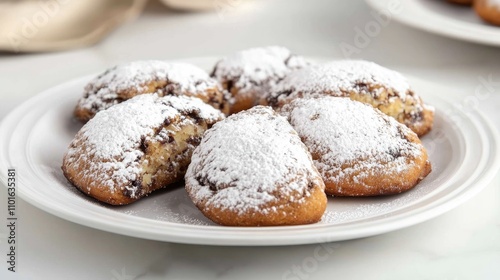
(342, 132)
(249, 160)
(257, 69)
(339, 77)
(103, 91)
(110, 141)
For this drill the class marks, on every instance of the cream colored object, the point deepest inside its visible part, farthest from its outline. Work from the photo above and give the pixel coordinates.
(32, 26)
(194, 4)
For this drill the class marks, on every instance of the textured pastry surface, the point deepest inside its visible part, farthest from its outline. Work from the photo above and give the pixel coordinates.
(136, 147)
(252, 169)
(251, 73)
(461, 2)
(151, 76)
(358, 150)
(360, 80)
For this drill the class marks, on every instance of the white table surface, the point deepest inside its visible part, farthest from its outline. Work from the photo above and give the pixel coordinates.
(461, 244)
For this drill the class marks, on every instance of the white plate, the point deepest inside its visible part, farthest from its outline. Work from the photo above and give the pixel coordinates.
(34, 137)
(443, 18)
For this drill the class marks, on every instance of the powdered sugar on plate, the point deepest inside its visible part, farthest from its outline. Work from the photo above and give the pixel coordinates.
(351, 139)
(104, 91)
(109, 143)
(249, 160)
(257, 69)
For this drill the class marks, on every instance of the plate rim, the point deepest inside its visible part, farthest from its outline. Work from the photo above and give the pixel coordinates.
(376, 227)
(474, 33)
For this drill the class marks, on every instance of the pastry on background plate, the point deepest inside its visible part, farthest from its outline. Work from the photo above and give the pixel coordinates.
(250, 73)
(125, 81)
(252, 169)
(136, 147)
(488, 10)
(358, 150)
(360, 80)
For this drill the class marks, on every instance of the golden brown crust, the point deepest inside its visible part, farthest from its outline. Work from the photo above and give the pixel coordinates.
(358, 150)
(252, 169)
(290, 213)
(382, 184)
(240, 102)
(163, 163)
(212, 96)
(405, 111)
(98, 191)
(151, 162)
(146, 77)
(426, 123)
(487, 12)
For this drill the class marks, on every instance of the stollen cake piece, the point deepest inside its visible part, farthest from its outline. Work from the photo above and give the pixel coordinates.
(249, 74)
(125, 81)
(252, 169)
(358, 150)
(360, 80)
(488, 10)
(138, 146)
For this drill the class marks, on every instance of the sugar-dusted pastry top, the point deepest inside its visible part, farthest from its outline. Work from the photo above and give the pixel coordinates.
(360, 80)
(256, 69)
(151, 76)
(349, 139)
(340, 77)
(110, 143)
(248, 161)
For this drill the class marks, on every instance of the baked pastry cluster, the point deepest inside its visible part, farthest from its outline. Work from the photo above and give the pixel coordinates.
(344, 128)
(249, 74)
(358, 150)
(488, 10)
(136, 147)
(359, 80)
(125, 81)
(252, 169)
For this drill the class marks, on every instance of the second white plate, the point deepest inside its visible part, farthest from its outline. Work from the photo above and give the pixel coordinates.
(33, 138)
(443, 18)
